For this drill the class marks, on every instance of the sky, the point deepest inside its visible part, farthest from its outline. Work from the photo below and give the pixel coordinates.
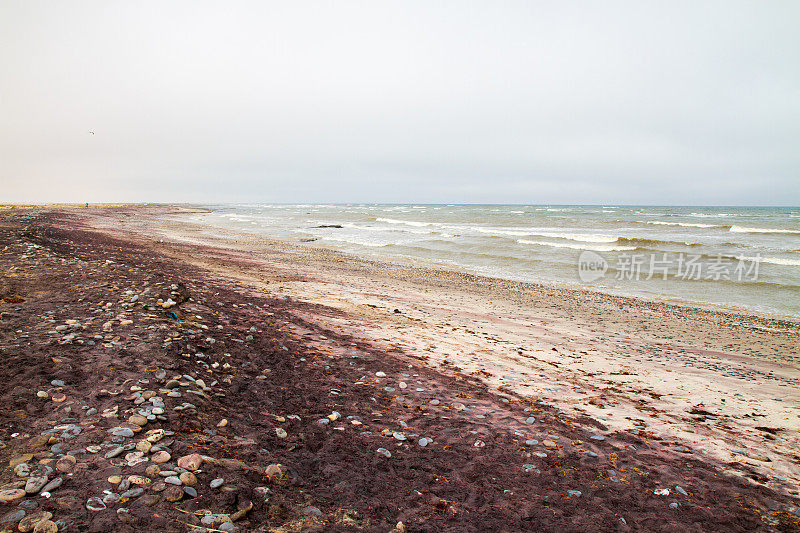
(607, 102)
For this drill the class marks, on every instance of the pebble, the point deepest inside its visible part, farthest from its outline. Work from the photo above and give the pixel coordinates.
(188, 479)
(399, 436)
(35, 484)
(661, 492)
(190, 491)
(434, 402)
(19, 459)
(424, 441)
(575, 493)
(29, 522)
(173, 480)
(155, 436)
(53, 485)
(597, 437)
(384, 451)
(132, 493)
(530, 420)
(22, 470)
(680, 490)
(46, 526)
(173, 493)
(531, 442)
(12, 517)
(380, 374)
(161, 457)
(312, 511)
(190, 462)
(121, 432)
(216, 483)
(139, 420)
(95, 504)
(479, 444)
(673, 505)
(66, 464)
(281, 433)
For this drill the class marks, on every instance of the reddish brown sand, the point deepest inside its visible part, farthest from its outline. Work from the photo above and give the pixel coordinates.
(266, 359)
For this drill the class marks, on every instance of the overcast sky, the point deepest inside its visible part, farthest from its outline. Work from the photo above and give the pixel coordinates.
(476, 102)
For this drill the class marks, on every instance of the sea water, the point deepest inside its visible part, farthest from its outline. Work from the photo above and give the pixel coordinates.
(736, 257)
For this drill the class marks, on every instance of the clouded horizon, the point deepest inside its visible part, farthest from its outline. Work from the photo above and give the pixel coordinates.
(452, 102)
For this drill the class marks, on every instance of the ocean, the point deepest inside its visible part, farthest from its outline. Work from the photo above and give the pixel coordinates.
(744, 258)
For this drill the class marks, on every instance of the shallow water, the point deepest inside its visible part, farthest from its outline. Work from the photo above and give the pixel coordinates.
(740, 257)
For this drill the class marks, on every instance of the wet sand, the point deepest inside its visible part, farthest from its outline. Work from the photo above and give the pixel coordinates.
(673, 396)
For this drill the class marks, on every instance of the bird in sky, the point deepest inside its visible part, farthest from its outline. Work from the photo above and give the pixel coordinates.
(91, 132)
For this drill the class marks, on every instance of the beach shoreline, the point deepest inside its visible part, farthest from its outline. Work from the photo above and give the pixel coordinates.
(681, 384)
(539, 327)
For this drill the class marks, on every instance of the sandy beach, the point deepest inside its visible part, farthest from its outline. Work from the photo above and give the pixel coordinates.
(726, 384)
(547, 408)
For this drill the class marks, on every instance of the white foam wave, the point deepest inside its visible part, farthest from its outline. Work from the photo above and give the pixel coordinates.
(743, 229)
(238, 218)
(713, 215)
(580, 237)
(593, 247)
(406, 222)
(359, 242)
(685, 224)
(773, 260)
(385, 229)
